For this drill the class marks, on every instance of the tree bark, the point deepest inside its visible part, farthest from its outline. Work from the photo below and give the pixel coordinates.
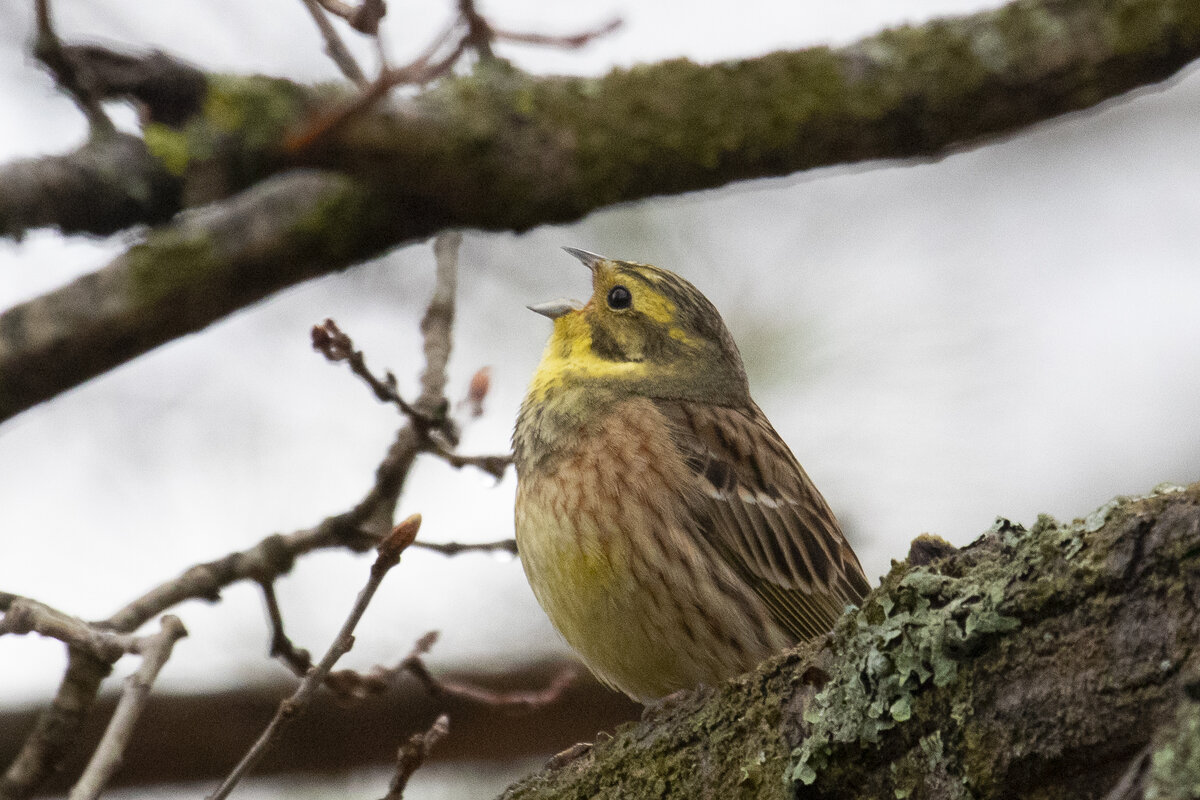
(1057, 662)
(503, 150)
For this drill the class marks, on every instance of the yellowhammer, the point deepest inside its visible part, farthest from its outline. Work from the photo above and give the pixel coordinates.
(666, 529)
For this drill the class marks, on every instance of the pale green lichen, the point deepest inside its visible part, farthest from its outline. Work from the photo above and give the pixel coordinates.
(910, 637)
(1175, 762)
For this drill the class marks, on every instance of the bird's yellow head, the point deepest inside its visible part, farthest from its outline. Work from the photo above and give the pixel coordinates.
(645, 331)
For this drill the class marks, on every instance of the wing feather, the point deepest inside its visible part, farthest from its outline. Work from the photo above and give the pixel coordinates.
(757, 507)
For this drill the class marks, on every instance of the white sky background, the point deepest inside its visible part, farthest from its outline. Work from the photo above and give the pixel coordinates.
(1011, 330)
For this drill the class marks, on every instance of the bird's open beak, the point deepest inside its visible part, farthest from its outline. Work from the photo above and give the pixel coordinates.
(590, 260)
(555, 308)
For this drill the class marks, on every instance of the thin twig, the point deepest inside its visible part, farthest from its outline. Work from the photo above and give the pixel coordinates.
(389, 555)
(418, 72)
(568, 42)
(351, 686)
(479, 31)
(518, 701)
(330, 341)
(297, 658)
(364, 18)
(438, 323)
(335, 48)
(412, 755)
(493, 465)
(109, 753)
(24, 615)
(57, 727)
(454, 548)
(49, 50)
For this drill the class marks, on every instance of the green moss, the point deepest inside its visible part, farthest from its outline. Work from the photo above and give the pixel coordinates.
(259, 110)
(168, 263)
(337, 221)
(1175, 763)
(737, 731)
(170, 146)
(241, 127)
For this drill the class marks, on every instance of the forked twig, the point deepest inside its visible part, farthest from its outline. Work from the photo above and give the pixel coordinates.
(335, 48)
(412, 755)
(389, 555)
(49, 50)
(110, 752)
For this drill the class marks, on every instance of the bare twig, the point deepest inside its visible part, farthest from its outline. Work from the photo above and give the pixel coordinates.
(412, 755)
(76, 82)
(477, 36)
(364, 18)
(297, 658)
(335, 48)
(357, 529)
(93, 650)
(106, 759)
(454, 548)
(514, 702)
(330, 341)
(479, 32)
(568, 42)
(389, 555)
(57, 727)
(431, 410)
(493, 465)
(422, 70)
(438, 322)
(350, 685)
(24, 615)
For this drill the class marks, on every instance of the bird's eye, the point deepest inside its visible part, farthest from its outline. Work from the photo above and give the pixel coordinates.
(619, 297)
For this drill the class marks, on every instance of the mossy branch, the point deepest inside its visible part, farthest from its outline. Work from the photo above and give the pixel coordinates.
(1061, 661)
(500, 149)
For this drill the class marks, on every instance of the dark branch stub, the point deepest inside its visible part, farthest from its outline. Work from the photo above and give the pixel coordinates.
(74, 80)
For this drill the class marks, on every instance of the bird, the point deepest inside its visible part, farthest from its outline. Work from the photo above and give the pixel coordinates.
(664, 526)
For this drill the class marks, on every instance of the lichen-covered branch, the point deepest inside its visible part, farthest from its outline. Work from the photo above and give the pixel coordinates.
(181, 278)
(501, 149)
(110, 184)
(1061, 661)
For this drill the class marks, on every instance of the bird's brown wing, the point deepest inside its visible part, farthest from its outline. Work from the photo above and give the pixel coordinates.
(759, 509)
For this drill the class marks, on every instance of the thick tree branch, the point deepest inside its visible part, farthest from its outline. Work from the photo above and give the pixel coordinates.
(1033, 663)
(503, 150)
(110, 184)
(181, 278)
